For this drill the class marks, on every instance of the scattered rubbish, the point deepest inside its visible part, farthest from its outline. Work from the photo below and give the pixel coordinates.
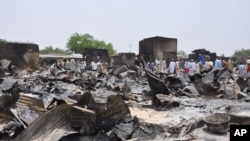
(129, 102)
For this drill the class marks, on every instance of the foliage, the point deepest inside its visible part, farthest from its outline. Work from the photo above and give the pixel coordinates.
(182, 53)
(77, 42)
(242, 52)
(51, 50)
(3, 40)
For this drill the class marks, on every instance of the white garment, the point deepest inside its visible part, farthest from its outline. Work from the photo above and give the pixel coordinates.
(186, 64)
(72, 64)
(192, 68)
(248, 61)
(171, 67)
(163, 66)
(211, 63)
(84, 65)
(93, 66)
(157, 64)
(78, 66)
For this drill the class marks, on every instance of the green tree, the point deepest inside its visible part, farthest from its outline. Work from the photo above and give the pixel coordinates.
(241, 55)
(3, 40)
(182, 53)
(242, 52)
(51, 50)
(77, 42)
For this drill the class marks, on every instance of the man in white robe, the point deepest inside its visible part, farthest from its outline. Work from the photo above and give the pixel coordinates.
(171, 67)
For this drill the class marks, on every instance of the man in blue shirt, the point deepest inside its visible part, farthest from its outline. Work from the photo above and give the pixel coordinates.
(217, 64)
(200, 60)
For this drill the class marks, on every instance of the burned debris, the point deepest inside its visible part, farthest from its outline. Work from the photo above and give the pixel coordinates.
(21, 55)
(127, 101)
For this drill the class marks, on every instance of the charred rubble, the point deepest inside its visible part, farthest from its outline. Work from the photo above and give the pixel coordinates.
(59, 105)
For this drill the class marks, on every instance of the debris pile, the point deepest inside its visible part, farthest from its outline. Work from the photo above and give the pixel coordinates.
(58, 104)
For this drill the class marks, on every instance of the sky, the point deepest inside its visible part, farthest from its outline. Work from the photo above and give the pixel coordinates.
(220, 26)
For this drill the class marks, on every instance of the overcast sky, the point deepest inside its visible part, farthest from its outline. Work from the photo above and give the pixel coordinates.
(220, 26)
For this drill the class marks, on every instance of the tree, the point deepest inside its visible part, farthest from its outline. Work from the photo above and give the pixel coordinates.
(77, 42)
(51, 50)
(242, 52)
(182, 53)
(3, 40)
(241, 55)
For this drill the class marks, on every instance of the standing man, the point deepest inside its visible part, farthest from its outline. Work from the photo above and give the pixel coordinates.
(242, 69)
(177, 67)
(192, 67)
(201, 60)
(163, 66)
(171, 67)
(197, 67)
(186, 66)
(157, 64)
(78, 68)
(229, 65)
(217, 64)
(72, 64)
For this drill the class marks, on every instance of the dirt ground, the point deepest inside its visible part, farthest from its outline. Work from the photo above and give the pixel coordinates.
(191, 108)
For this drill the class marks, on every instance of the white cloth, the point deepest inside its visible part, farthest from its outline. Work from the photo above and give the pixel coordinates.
(93, 66)
(192, 68)
(84, 65)
(157, 64)
(171, 67)
(72, 64)
(197, 68)
(78, 66)
(248, 61)
(164, 66)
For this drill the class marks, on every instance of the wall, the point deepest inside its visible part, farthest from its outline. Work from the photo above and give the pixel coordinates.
(92, 54)
(158, 47)
(22, 55)
(123, 59)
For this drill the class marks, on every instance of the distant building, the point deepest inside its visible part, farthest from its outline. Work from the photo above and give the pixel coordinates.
(21, 55)
(94, 54)
(207, 55)
(49, 59)
(123, 59)
(158, 47)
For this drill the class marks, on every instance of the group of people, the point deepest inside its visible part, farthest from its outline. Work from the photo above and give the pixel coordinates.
(161, 66)
(76, 65)
(192, 66)
(72, 64)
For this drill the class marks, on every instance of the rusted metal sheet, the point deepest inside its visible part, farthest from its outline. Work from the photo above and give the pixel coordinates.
(28, 108)
(59, 122)
(66, 107)
(116, 112)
